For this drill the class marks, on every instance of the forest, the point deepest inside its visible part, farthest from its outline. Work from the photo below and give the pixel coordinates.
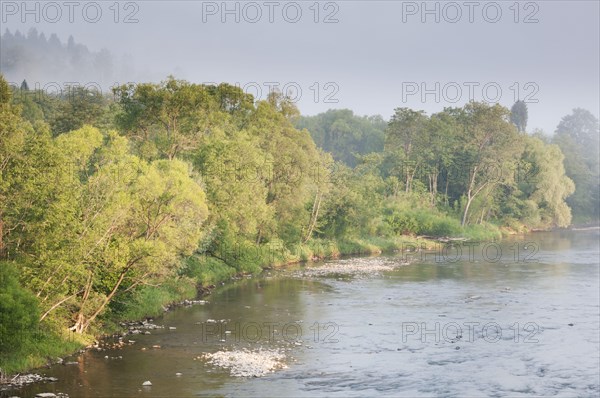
(113, 205)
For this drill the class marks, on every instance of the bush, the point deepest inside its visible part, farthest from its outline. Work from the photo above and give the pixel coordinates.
(483, 232)
(206, 270)
(422, 222)
(402, 223)
(149, 301)
(19, 313)
(433, 224)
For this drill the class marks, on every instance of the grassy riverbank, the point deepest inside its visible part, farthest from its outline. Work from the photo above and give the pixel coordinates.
(43, 346)
(198, 275)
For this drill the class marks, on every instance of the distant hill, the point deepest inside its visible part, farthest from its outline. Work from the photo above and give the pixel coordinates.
(41, 60)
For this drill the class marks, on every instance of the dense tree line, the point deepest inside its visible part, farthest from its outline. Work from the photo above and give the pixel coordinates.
(101, 197)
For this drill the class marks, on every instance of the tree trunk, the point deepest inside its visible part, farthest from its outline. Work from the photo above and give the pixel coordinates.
(472, 192)
(469, 200)
(314, 216)
(105, 302)
(433, 180)
(55, 306)
(1, 236)
(446, 193)
(80, 319)
(259, 236)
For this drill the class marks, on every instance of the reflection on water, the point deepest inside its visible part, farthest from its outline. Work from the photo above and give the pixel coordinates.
(464, 328)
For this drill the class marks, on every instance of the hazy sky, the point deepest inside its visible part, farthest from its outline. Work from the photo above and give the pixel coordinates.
(372, 56)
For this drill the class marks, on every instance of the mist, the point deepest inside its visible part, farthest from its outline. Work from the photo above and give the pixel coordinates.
(371, 57)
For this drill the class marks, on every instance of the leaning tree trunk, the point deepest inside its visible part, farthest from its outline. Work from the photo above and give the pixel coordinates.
(88, 322)
(314, 216)
(1, 236)
(80, 319)
(433, 180)
(466, 213)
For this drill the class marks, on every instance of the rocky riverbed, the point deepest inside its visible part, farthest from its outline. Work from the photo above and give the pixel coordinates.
(19, 381)
(358, 267)
(247, 363)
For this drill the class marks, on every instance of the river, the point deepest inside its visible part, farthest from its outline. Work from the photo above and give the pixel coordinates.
(517, 319)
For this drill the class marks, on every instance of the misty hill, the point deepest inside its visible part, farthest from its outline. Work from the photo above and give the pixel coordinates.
(41, 60)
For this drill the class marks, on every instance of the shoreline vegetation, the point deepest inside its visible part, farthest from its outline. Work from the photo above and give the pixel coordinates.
(53, 348)
(113, 207)
(156, 300)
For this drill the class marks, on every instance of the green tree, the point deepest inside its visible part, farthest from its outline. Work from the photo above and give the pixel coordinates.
(577, 135)
(345, 135)
(13, 134)
(518, 115)
(169, 118)
(438, 153)
(489, 149)
(405, 138)
(537, 195)
(236, 174)
(79, 106)
(139, 219)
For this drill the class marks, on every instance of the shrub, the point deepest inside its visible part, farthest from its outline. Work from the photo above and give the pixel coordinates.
(18, 311)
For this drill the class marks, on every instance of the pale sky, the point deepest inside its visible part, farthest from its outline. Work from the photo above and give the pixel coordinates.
(372, 57)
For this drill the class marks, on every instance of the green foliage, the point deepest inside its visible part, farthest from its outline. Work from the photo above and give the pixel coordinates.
(518, 115)
(19, 312)
(545, 187)
(101, 220)
(482, 232)
(150, 300)
(578, 137)
(207, 270)
(345, 135)
(169, 118)
(79, 106)
(422, 221)
(199, 183)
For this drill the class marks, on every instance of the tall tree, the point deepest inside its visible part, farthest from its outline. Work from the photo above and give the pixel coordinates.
(518, 115)
(13, 137)
(577, 135)
(167, 119)
(405, 137)
(345, 135)
(490, 147)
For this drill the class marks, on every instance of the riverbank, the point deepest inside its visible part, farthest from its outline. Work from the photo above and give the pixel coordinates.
(295, 308)
(197, 278)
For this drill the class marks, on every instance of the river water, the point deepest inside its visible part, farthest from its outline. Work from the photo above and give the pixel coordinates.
(521, 322)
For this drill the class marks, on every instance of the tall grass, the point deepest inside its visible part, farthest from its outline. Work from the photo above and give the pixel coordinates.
(149, 301)
(44, 345)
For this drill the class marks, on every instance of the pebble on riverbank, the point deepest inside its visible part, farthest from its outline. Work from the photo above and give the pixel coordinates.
(21, 380)
(246, 363)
